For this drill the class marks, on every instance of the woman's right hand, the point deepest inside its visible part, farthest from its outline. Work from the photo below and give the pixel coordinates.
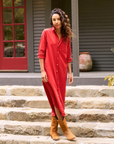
(44, 76)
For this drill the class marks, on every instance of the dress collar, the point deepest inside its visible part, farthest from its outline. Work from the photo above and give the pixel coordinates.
(53, 28)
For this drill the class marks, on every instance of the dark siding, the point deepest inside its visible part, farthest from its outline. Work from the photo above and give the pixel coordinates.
(96, 32)
(38, 26)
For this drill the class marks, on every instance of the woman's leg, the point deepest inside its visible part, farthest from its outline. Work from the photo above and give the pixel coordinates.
(58, 114)
(54, 122)
(63, 125)
(54, 128)
(65, 129)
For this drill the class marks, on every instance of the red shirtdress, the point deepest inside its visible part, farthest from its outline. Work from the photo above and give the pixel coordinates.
(56, 55)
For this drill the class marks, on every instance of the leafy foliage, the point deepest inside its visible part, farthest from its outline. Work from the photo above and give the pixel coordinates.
(110, 80)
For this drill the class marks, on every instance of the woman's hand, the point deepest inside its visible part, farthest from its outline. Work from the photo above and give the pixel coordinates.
(70, 79)
(44, 76)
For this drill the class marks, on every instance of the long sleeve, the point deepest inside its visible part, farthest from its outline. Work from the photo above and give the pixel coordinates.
(69, 59)
(42, 45)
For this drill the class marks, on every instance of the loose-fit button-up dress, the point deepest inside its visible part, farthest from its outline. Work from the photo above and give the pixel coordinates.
(56, 55)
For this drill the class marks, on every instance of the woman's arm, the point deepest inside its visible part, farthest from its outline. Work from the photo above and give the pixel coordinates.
(70, 73)
(41, 60)
(43, 73)
(69, 59)
(69, 68)
(41, 55)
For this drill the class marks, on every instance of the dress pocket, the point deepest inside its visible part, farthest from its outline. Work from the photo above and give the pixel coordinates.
(64, 49)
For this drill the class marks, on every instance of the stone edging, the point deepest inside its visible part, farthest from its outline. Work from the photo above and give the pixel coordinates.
(73, 91)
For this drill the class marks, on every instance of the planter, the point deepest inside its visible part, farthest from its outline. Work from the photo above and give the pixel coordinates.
(85, 61)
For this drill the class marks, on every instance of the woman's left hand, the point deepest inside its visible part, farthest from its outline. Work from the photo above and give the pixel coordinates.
(70, 79)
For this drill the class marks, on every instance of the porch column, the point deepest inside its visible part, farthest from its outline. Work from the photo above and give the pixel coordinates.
(47, 13)
(30, 50)
(75, 40)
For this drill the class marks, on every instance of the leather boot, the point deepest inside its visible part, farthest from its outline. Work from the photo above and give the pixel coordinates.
(66, 130)
(54, 128)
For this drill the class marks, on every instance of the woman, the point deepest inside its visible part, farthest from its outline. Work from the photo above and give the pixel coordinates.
(55, 58)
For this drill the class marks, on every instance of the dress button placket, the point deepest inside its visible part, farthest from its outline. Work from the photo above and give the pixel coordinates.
(57, 72)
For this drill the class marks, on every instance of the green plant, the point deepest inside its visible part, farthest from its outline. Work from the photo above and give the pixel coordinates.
(110, 77)
(110, 80)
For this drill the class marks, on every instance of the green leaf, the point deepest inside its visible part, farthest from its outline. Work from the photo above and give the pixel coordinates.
(105, 78)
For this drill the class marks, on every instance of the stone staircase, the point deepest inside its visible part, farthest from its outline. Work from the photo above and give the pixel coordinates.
(25, 115)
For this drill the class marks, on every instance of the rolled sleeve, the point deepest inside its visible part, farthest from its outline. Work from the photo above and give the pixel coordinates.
(69, 59)
(42, 46)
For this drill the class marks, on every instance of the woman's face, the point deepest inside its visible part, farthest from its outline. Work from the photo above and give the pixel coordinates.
(56, 21)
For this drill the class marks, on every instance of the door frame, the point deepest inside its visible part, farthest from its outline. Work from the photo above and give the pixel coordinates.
(13, 61)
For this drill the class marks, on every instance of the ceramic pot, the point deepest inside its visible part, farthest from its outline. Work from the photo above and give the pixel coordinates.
(85, 61)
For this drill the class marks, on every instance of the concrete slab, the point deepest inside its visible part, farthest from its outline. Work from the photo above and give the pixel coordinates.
(85, 78)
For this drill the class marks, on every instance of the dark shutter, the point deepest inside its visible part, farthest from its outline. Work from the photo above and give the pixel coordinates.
(38, 26)
(96, 32)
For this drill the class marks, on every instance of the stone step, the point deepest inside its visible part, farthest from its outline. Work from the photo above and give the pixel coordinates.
(19, 139)
(85, 129)
(74, 115)
(73, 91)
(71, 102)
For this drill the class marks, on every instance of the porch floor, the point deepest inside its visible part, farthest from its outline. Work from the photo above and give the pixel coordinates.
(85, 78)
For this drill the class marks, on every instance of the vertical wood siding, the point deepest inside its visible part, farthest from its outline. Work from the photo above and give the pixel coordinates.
(96, 32)
(38, 26)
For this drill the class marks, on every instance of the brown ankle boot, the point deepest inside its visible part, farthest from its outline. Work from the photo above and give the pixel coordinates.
(54, 128)
(66, 130)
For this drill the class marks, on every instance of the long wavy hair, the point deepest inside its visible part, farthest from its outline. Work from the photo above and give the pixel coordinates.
(65, 29)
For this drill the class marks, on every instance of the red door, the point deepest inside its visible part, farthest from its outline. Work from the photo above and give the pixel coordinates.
(13, 37)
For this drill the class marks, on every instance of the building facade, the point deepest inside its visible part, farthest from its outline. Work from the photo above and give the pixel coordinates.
(22, 22)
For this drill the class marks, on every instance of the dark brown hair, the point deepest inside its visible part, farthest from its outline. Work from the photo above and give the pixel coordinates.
(65, 29)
